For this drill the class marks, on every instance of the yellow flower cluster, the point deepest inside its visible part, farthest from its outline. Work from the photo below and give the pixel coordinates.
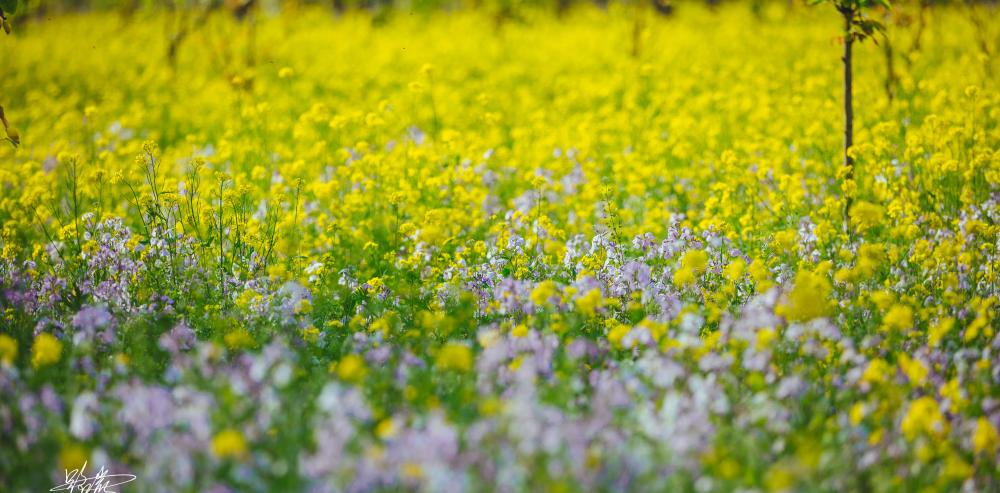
(609, 220)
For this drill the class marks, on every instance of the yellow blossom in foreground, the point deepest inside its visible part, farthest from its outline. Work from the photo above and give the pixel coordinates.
(857, 413)
(785, 240)
(914, 369)
(870, 257)
(865, 215)
(923, 417)
(735, 270)
(543, 293)
(616, 332)
(761, 276)
(877, 371)
(375, 285)
(352, 368)
(952, 390)
(692, 263)
(412, 470)
(809, 298)
(779, 477)
(956, 468)
(73, 456)
(454, 356)
(765, 337)
(229, 444)
(590, 302)
(8, 349)
(899, 318)
(519, 330)
(239, 339)
(46, 350)
(985, 438)
(310, 334)
(386, 428)
(939, 330)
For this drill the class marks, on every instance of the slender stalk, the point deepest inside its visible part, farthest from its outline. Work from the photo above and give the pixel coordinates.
(848, 14)
(637, 27)
(891, 79)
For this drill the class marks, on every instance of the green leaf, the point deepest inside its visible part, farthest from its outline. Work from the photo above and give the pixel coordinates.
(8, 6)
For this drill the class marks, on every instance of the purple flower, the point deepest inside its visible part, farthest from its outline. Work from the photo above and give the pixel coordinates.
(91, 318)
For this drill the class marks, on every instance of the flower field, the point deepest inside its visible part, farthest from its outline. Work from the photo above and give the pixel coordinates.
(449, 251)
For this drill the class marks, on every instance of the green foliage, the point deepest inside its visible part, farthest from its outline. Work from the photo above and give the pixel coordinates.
(861, 26)
(8, 6)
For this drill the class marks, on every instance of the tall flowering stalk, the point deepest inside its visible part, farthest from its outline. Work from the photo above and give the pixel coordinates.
(857, 27)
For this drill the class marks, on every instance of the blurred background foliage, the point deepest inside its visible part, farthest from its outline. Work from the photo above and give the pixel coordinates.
(512, 9)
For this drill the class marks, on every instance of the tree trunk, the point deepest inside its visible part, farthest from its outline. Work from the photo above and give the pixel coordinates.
(848, 105)
(891, 79)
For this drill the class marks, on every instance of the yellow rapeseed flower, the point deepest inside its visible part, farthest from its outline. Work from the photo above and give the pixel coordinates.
(590, 302)
(454, 356)
(543, 293)
(877, 371)
(352, 368)
(73, 456)
(914, 369)
(866, 215)
(46, 350)
(898, 318)
(8, 349)
(985, 438)
(692, 263)
(923, 417)
(809, 298)
(939, 330)
(229, 444)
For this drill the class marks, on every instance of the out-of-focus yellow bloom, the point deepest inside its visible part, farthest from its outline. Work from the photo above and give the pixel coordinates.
(857, 413)
(387, 428)
(616, 332)
(877, 371)
(765, 337)
(866, 215)
(412, 470)
(310, 334)
(73, 456)
(952, 390)
(870, 258)
(956, 468)
(46, 350)
(985, 438)
(914, 369)
(8, 349)
(899, 318)
(735, 270)
(923, 417)
(589, 302)
(785, 240)
(939, 330)
(761, 275)
(543, 293)
(229, 444)
(519, 330)
(454, 356)
(239, 338)
(352, 368)
(809, 298)
(692, 264)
